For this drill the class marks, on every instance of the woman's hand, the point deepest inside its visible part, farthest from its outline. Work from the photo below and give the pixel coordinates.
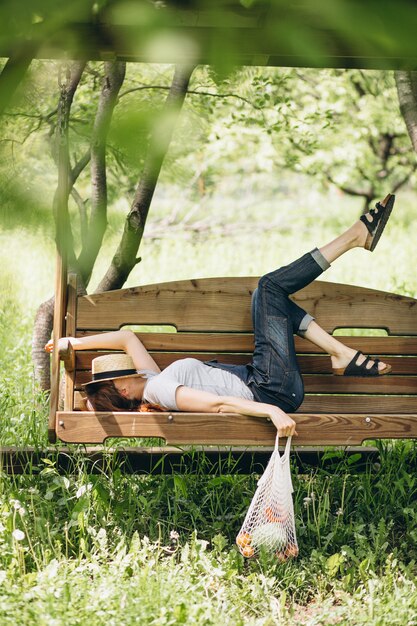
(62, 344)
(282, 422)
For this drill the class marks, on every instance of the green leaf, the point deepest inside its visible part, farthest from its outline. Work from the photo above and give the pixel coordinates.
(333, 563)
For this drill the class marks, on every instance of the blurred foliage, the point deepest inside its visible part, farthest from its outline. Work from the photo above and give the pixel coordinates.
(220, 32)
(330, 124)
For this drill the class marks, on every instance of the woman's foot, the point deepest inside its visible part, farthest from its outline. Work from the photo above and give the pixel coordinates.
(371, 225)
(342, 359)
(364, 233)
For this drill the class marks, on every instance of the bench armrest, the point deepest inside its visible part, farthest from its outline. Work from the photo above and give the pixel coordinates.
(67, 355)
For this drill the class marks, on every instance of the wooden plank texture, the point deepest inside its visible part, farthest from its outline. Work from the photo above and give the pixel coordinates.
(340, 384)
(69, 332)
(310, 364)
(58, 331)
(230, 429)
(223, 304)
(332, 403)
(240, 342)
(359, 404)
(329, 384)
(322, 365)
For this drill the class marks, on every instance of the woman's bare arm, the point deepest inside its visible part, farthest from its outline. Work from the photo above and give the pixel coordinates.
(188, 399)
(125, 340)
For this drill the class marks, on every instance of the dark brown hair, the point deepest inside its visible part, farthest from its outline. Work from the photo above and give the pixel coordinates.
(103, 396)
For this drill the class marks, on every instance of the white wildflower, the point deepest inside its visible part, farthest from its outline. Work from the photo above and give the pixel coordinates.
(83, 489)
(19, 535)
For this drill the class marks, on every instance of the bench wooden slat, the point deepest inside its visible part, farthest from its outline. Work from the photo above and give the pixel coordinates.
(322, 365)
(333, 403)
(386, 384)
(368, 345)
(359, 404)
(309, 364)
(326, 383)
(240, 342)
(223, 304)
(230, 429)
(70, 325)
(329, 384)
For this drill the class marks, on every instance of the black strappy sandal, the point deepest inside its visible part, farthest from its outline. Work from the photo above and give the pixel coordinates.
(353, 369)
(380, 217)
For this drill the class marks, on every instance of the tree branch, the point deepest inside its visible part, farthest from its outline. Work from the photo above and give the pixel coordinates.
(82, 210)
(125, 257)
(60, 202)
(193, 92)
(79, 167)
(405, 179)
(113, 80)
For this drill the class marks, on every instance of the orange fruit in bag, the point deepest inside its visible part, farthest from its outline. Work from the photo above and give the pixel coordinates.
(244, 539)
(291, 551)
(248, 551)
(278, 517)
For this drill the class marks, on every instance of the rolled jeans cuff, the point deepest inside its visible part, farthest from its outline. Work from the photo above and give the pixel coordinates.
(305, 323)
(320, 259)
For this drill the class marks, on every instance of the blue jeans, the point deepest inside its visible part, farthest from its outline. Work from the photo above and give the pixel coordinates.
(274, 376)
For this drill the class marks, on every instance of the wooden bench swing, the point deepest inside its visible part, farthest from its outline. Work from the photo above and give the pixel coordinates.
(212, 320)
(212, 316)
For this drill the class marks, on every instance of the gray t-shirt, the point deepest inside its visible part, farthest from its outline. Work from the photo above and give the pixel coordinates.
(160, 388)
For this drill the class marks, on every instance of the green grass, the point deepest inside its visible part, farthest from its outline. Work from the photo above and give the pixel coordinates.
(97, 549)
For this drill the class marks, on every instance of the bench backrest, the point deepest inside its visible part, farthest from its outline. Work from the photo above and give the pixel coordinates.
(212, 318)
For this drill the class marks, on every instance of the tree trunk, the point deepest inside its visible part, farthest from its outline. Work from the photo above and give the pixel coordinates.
(45, 314)
(42, 330)
(407, 95)
(113, 80)
(125, 259)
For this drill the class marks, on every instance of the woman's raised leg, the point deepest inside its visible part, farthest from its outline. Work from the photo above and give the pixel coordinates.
(340, 354)
(276, 318)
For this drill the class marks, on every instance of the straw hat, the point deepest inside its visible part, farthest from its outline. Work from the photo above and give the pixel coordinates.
(111, 367)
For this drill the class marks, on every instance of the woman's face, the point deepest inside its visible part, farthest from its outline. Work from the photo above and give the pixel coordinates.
(127, 387)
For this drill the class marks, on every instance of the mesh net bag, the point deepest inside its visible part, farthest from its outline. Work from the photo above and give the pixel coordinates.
(269, 522)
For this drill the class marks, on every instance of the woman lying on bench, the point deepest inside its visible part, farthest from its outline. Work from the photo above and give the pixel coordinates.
(271, 385)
